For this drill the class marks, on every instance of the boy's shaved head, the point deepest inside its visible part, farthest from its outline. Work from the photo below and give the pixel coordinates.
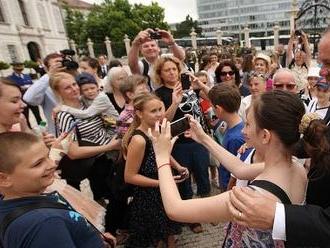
(12, 148)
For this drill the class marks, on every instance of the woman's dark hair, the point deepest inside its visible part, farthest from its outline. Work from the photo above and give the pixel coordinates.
(115, 63)
(317, 144)
(280, 112)
(94, 63)
(218, 71)
(247, 64)
(8, 82)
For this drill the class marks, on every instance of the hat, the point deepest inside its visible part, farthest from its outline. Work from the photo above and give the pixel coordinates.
(85, 78)
(322, 83)
(313, 72)
(263, 57)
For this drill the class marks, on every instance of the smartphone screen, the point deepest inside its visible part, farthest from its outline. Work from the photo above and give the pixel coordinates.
(179, 126)
(185, 81)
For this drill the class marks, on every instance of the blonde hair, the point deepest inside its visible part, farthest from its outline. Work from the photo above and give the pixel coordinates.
(159, 66)
(55, 80)
(138, 103)
(130, 84)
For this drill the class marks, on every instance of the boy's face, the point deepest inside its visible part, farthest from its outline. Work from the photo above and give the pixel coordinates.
(322, 94)
(32, 175)
(90, 91)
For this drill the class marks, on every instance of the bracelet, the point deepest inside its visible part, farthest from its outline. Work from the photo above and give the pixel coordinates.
(162, 165)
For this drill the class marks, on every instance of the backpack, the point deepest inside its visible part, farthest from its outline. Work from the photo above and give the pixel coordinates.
(20, 211)
(145, 73)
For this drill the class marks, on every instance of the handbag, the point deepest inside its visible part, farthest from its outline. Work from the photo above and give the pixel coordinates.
(75, 169)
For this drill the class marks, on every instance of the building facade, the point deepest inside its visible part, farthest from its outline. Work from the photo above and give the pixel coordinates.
(231, 16)
(30, 29)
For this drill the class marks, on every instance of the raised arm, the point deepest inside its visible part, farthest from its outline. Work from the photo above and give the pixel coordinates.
(289, 52)
(177, 51)
(228, 160)
(307, 49)
(191, 211)
(133, 55)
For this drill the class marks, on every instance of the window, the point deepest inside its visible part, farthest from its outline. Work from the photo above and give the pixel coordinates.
(24, 14)
(43, 16)
(12, 53)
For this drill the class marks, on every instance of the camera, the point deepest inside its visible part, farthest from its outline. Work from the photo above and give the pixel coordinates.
(68, 62)
(155, 35)
(297, 33)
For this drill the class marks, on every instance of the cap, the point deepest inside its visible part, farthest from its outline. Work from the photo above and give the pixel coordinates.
(85, 78)
(263, 57)
(313, 72)
(322, 83)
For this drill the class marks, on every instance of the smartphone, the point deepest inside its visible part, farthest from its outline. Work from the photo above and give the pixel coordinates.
(179, 126)
(185, 81)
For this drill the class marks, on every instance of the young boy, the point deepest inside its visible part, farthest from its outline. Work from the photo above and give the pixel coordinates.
(25, 172)
(97, 101)
(226, 101)
(134, 85)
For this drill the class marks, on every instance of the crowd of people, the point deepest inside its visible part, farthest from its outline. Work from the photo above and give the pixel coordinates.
(257, 128)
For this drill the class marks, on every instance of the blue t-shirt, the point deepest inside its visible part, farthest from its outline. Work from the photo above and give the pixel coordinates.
(46, 227)
(232, 141)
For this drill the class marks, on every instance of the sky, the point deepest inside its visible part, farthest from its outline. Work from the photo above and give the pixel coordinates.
(175, 10)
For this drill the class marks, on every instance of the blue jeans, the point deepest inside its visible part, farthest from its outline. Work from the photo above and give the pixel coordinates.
(196, 158)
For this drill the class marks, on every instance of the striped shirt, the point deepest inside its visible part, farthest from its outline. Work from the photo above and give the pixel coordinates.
(90, 129)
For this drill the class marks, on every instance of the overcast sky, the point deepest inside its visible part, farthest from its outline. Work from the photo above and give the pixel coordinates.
(175, 10)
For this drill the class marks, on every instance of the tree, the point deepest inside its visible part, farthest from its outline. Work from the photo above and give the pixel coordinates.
(3, 66)
(183, 29)
(75, 23)
(113, 18)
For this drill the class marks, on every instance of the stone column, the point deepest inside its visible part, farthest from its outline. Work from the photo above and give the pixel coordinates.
(127, 43)
(294, 10)
(90, 48)
(73, 46)
(219, 37)
(247, 36)
(107, 43)
(276, 30)
(193, 36)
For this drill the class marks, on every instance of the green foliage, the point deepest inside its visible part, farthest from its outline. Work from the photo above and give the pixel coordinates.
(113, 18)
(4, 65)
(183, 29)
(30, 64)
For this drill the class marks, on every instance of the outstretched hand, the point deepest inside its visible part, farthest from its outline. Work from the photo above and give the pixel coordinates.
(196, 131)
(161, 139)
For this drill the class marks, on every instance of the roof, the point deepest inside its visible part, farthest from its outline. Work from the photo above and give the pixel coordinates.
(77, 4)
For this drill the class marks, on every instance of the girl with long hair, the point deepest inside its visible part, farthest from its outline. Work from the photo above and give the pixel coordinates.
(149, 224)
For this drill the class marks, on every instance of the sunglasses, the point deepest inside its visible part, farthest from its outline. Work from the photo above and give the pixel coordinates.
(225, 73)
(285, 86)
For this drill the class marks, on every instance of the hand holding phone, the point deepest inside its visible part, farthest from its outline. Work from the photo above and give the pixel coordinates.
(179, 126)
(185, 81)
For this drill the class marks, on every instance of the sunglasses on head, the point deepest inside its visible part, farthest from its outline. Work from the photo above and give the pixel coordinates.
(225, 73)
(282, 86)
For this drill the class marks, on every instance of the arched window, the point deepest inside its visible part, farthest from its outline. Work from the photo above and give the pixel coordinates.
(24, 14)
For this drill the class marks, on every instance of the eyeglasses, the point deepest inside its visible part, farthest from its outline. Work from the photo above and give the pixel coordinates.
(225, 73)
(285, 86)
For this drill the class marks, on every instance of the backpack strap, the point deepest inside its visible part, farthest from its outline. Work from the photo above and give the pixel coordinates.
(272, 188)
(19, 211)
(145, 72)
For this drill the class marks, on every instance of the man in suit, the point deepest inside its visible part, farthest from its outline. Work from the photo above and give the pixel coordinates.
(308, 225)
(104, 68)
(24, 81)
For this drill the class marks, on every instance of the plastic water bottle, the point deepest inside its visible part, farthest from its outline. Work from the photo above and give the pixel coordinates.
(41, 128)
